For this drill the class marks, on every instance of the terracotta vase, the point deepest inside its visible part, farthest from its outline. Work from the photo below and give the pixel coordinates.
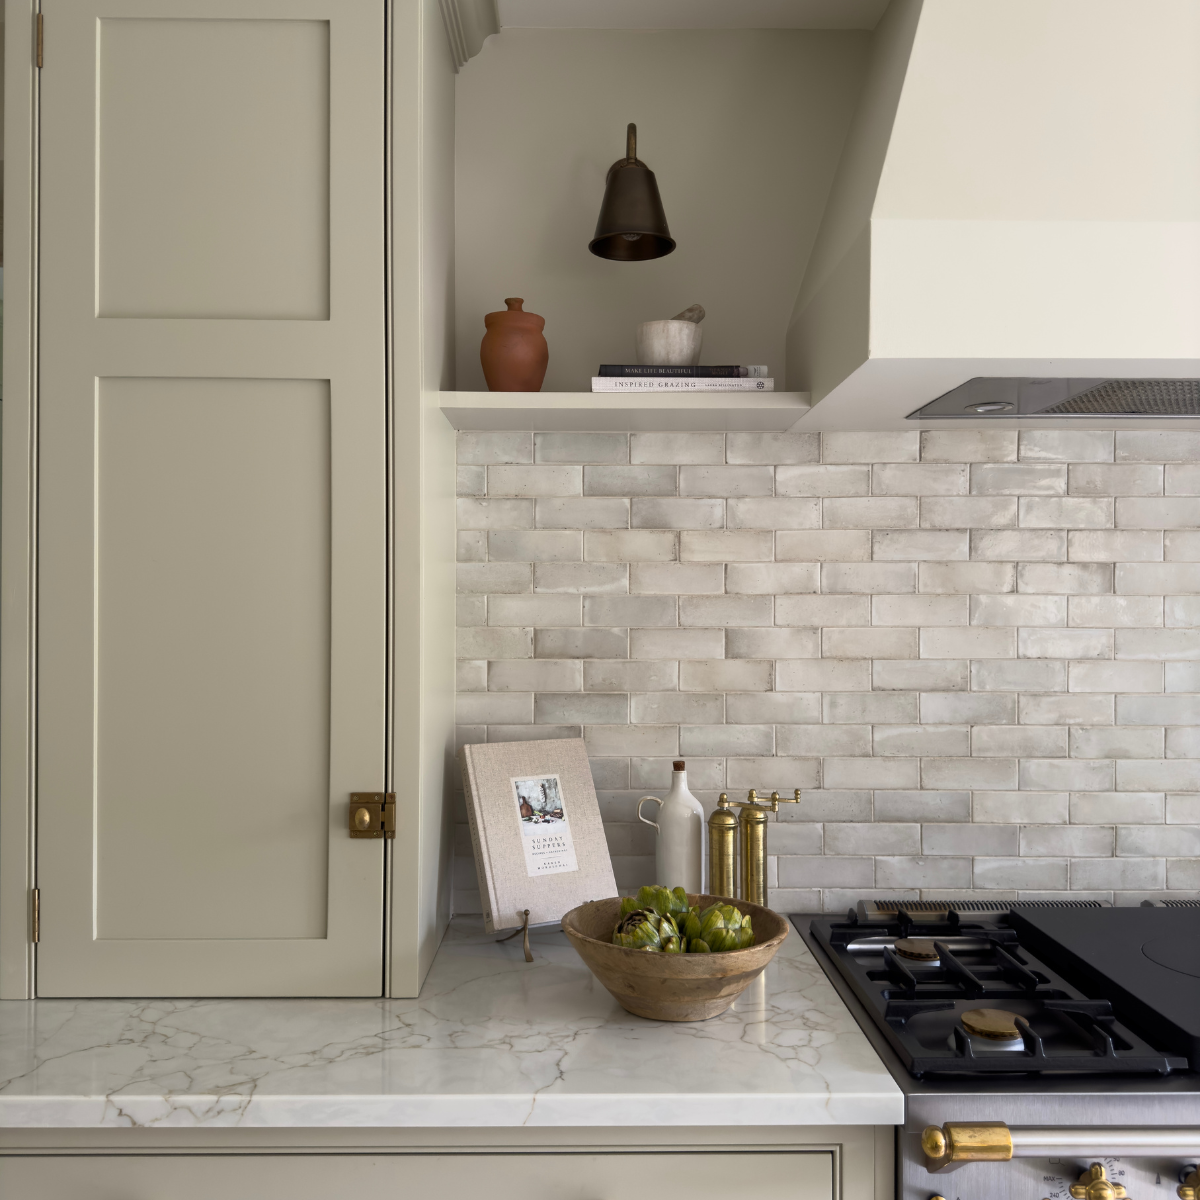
(513, 352)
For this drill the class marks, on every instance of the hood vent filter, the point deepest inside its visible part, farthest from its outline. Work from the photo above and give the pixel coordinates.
(1136, 397)
(1008, 397)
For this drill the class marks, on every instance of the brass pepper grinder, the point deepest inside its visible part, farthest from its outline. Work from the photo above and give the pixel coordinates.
(750, 827)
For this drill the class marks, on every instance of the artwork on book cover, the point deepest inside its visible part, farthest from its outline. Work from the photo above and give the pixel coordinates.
(535, 828)
(545, 826)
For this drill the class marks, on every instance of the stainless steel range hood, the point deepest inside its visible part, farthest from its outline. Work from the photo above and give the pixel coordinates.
(982, 398)
(1018, 200)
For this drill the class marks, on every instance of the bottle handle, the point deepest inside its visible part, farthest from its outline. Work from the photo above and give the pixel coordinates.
(646, 820)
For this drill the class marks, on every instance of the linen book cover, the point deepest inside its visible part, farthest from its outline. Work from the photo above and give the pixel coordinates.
(536, 830)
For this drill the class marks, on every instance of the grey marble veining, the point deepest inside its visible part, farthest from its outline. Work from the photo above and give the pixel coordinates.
(492, 1041)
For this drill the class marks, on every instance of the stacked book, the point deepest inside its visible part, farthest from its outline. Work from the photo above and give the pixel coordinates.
(625, 377)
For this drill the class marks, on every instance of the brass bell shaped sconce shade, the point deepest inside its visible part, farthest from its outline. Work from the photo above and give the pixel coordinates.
(632, 226)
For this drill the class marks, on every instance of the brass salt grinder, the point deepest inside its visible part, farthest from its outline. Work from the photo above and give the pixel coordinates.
(723, 837)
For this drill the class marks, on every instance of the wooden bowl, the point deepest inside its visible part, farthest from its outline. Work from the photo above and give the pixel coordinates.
(672, 987)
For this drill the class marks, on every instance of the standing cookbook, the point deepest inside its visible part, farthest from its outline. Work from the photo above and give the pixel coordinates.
(536, 830)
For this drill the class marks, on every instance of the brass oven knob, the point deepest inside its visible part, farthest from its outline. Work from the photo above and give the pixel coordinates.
(1094, 1185)
(1189, 1189)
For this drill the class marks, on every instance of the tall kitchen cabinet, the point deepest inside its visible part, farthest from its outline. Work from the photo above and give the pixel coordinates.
(226, 501)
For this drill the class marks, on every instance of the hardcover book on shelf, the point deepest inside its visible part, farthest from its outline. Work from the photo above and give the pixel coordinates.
(608, 383)
(642, 371)
(536, 831)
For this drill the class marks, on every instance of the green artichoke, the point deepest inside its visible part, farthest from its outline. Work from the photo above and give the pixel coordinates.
(628, 904)
(638, 931)
(672, 945)
(698, 946)
(662, 900)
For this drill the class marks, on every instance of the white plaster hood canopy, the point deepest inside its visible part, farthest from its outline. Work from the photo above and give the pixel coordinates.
(1019, 195)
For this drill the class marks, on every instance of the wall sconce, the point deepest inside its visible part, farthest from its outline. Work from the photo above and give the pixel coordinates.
(632, 226)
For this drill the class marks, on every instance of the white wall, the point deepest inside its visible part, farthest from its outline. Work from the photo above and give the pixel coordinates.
(743, 129)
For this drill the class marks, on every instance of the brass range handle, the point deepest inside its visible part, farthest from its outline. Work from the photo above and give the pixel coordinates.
(1189, 1189)
(1095, 1185)
(966, 1141)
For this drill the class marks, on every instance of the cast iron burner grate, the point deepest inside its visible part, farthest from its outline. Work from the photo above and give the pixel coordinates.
(981, 964)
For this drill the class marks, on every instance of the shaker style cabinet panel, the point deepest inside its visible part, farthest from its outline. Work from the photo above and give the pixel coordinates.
(766, 1175)
(212, 497)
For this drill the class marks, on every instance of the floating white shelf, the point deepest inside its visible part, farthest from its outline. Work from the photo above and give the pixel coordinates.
(658, 411)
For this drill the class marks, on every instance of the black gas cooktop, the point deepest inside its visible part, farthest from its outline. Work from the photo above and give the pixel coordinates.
(1025, 989)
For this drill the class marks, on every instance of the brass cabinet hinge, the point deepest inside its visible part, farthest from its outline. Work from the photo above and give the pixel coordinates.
(36, 923)
(372, 814)
(39, 39)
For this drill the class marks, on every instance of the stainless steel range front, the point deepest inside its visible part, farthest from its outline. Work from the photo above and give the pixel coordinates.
(1046, 1051)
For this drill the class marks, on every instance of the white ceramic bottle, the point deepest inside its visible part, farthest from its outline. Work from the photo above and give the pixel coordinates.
(679, 854)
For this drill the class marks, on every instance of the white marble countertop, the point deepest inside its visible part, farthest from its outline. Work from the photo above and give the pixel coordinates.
(492, 1041)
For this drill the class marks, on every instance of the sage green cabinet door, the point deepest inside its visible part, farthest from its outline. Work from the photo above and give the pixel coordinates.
(212, 488)
(765, 1175)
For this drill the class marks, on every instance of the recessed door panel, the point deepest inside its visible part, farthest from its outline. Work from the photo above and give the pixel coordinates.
(213, 164)
(212, 487)
(212, 563)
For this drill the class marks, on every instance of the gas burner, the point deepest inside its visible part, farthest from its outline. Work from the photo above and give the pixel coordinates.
(954, 991)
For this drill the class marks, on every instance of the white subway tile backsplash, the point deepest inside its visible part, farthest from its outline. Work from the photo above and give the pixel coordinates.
(725, 675)
(677, 448)
(969, 445)
(726, 481)
(1116, 741)
(925, 479)
(535, 675)
(1017, 480)
(1114, 611)
(1019, 676)
(772, 448)
(1019, 545)
(725, 546)
(567, 446)
(1060, 445)
(823, 675)
(495, 514)
(968, 512)
(870, 447)
(631, 545)
(661, 512)
(676, 643)
(778, 579)
(630, 481)
(726, 611)
(545, 612)
(862, 642)
(1019, 610)
(495, 447)
(822, 481)
(868, 578)
(1065, 512)
(772, 643)
(582, 512)
(824, 545)
(1104, 479)
(930, 545)
(536, 546)
(482, 642)
(869, 512)
(625, 611)
(774, 512)
(823, 740)
(581, 643)
(674, 579)
(920, 610)
(976, 652)
(594, 578)
(965, 578)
